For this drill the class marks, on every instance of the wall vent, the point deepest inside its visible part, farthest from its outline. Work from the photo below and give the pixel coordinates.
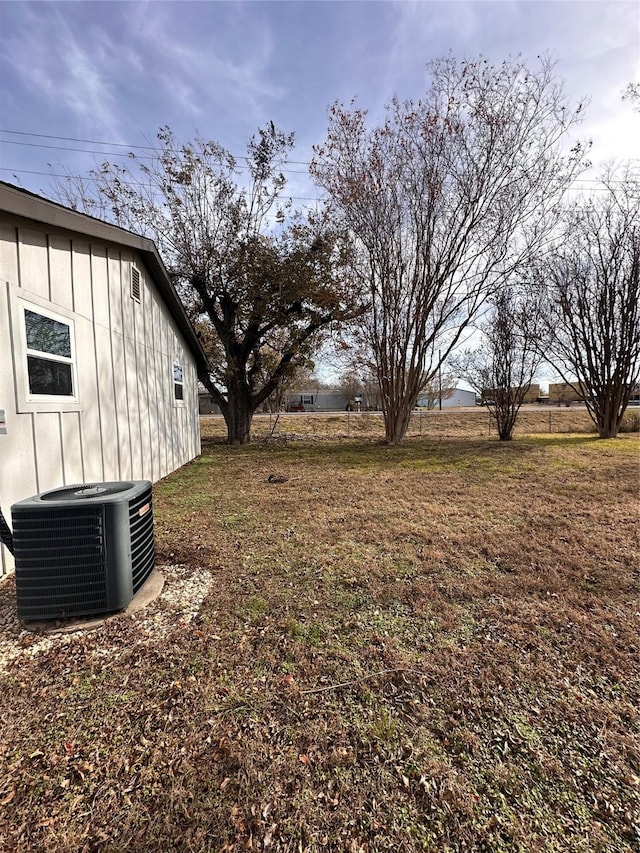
(135, 284)
(82, 550)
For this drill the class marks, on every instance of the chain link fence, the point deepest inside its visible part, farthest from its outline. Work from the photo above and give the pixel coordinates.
(459, 423)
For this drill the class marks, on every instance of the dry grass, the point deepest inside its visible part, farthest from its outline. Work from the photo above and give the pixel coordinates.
(433, 648)
(449, 423)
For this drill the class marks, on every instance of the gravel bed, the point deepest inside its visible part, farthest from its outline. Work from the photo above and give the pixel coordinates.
(179, 602)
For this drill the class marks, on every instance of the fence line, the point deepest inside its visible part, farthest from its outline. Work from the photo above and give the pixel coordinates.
(469, 423)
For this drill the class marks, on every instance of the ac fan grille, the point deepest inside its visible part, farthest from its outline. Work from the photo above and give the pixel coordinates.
(142, 547)
(61, 556)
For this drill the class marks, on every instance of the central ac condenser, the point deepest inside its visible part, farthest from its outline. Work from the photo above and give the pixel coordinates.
(82, 550)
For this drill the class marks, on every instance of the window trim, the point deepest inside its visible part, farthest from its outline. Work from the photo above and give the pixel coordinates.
(177, 363)
(26, 351)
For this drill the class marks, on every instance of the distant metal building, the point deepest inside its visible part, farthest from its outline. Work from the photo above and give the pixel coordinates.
(459, 398)
(563, 394)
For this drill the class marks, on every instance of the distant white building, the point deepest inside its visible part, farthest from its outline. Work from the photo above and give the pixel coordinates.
(459, 398)
(98, 360)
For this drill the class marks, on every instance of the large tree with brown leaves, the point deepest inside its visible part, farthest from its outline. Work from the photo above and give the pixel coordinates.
(260, 284)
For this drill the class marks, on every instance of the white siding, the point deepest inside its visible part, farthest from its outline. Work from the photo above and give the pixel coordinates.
(125, 423)
(459, 398)
(8, 254)
(33, 262)
(47, 440)
(60, 272)
(81, 279)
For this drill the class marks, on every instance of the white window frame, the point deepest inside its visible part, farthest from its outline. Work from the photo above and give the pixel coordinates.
(307, 399)
(177, 363)
(27, 351)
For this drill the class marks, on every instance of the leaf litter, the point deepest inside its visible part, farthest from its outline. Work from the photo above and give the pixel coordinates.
(433, 647)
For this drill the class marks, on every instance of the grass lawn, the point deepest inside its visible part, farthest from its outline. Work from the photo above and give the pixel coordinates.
(433, 648)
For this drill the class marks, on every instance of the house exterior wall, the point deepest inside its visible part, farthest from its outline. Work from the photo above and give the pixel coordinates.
(459, 398)
(123, 422)
(333, 400)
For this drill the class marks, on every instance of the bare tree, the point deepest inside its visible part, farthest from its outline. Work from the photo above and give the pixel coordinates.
(632, 93)
(503, 366)
(259, 292)
(351, 385)
(591, 280)
(444, 200)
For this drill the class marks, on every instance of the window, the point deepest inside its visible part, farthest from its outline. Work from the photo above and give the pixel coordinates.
(135, 284)
(306, 399)
(178, 383)
(50, 355)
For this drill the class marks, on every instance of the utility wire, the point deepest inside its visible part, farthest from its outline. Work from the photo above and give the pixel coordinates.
(145, 148)
(144, 184)
(75, 139)
(127, 183)
(101, 142)
(579, 186)
(110, 153)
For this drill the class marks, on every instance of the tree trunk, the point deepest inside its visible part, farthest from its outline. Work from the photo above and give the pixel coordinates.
(237, 408)
(505, 422)
(238, 418)
(396, 424)
(608, 420)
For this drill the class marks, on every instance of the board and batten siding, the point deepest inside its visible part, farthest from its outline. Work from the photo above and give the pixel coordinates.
(124, 422)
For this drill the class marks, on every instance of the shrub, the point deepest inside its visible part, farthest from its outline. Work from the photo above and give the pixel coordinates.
(630, 422)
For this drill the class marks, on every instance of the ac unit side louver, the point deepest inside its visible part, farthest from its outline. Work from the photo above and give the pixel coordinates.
(82, 550)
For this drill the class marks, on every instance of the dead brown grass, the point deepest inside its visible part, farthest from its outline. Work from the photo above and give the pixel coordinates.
(433, 647)
(452, 423)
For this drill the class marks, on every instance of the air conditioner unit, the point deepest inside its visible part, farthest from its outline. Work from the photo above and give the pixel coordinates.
(83, 549)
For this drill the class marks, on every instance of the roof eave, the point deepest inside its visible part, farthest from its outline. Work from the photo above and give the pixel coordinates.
(20, 202)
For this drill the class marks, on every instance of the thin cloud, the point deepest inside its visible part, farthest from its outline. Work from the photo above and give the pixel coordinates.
(58, 69)
(118, 71)
(201, 71)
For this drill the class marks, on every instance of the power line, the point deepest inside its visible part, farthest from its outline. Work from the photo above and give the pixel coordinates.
(130, 146)
(133, 183)
(127, 183)
(577, 186)
(67, 148)
(75, 139)
(110, 153)
(102, 142)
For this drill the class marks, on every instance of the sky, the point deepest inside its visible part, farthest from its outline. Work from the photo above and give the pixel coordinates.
(110, 74)
(83, 82)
